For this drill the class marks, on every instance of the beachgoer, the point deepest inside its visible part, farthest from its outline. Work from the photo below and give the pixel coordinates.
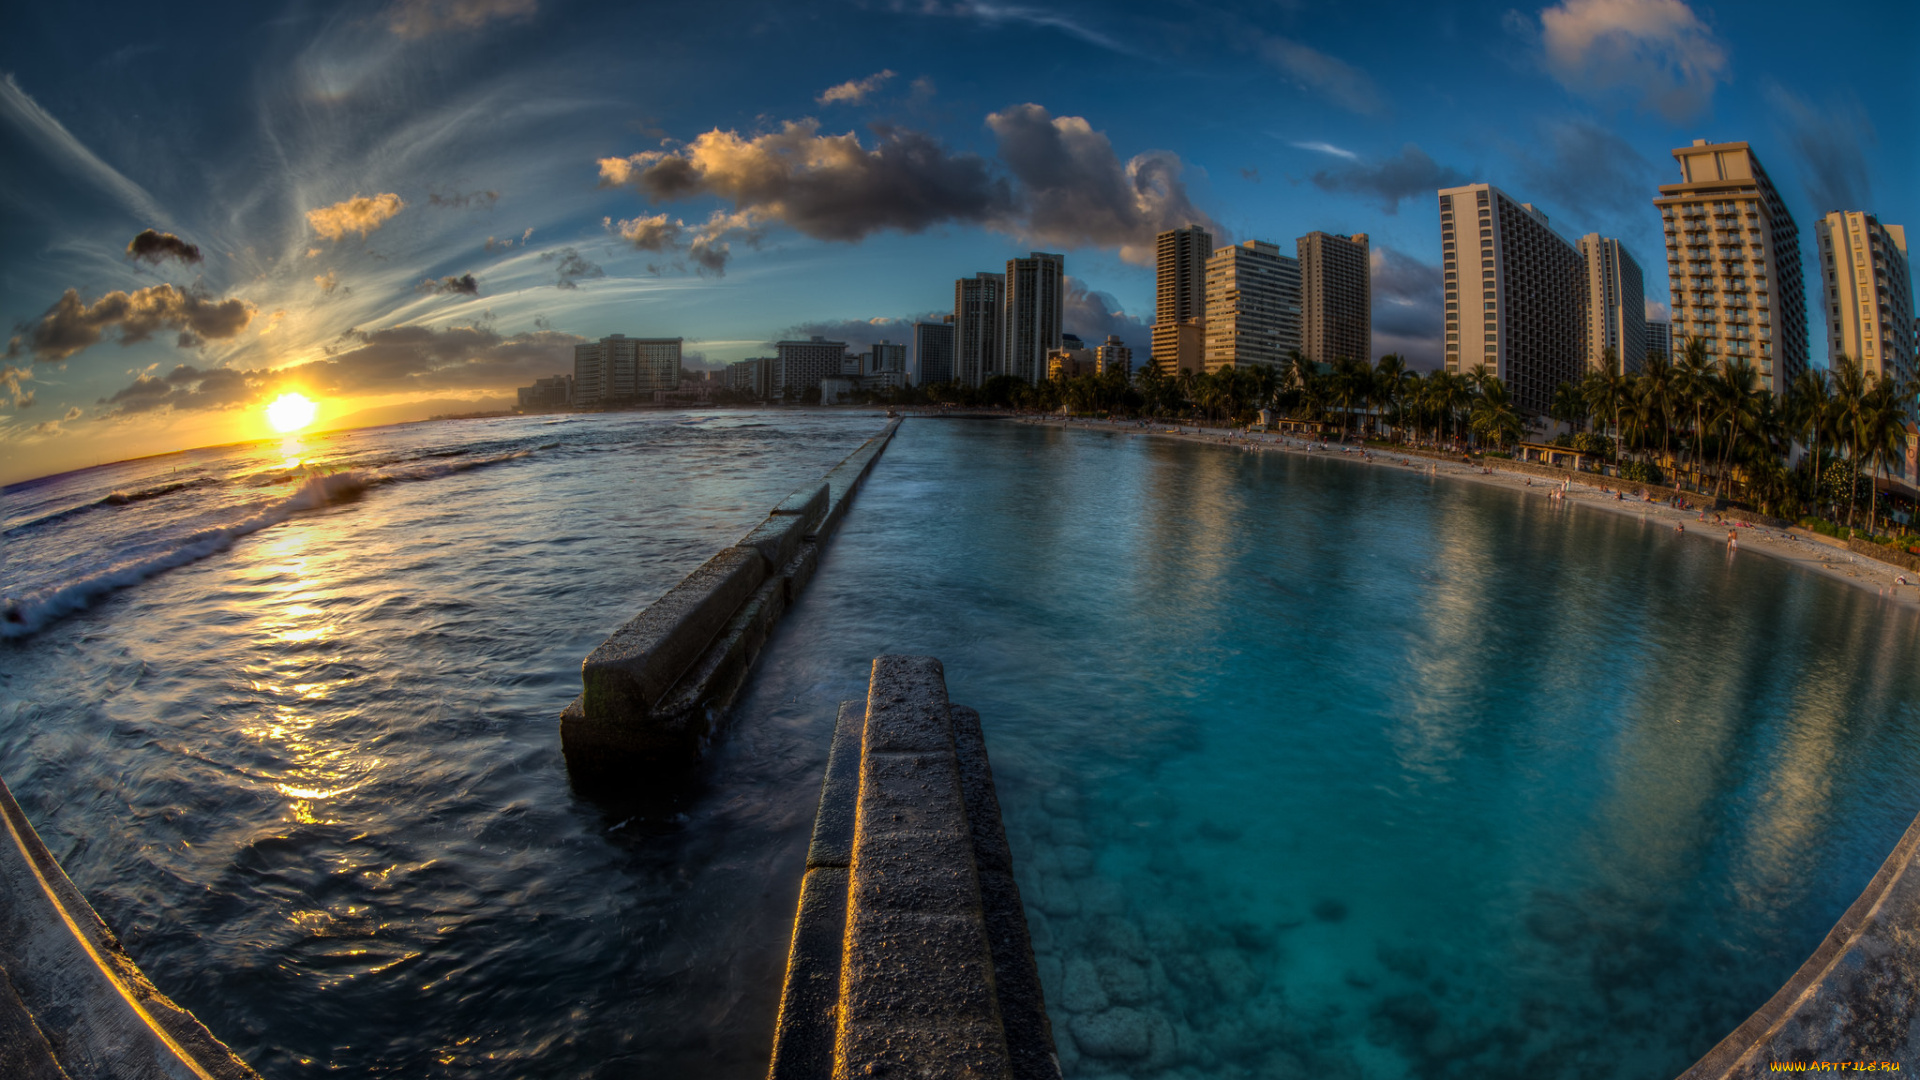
(1680, 527)
(1733, 539)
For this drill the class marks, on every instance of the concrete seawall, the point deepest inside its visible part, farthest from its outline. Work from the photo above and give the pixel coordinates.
(73, 1004)
(1857, 999)
(654, 693)
(910, 952)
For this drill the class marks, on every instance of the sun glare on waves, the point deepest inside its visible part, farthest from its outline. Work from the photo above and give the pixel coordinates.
(290, 412)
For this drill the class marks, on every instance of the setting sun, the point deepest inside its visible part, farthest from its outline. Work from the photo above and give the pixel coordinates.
(290, 412)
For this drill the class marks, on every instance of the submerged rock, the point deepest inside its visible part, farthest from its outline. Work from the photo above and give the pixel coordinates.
(1115, 1033)
(1102, 896)
(1075, 862)
(1124, 980)
(1081, 990)
(1329, 910)
(1230, 974)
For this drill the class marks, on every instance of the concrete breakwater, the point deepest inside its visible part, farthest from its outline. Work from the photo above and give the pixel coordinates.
(1856, 999)
(654, 692)
(911, 954)
(73, 1004)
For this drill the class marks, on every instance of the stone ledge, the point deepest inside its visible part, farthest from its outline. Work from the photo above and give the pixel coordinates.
(1856, 999)
(929, 941)
(81, 1008)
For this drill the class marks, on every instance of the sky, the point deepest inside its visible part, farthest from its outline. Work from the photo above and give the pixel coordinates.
(403, 207)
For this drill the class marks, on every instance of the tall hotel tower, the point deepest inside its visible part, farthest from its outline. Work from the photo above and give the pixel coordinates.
(1616, 306)
(1336, 297)
(1253, 306)
(1733, 257)
(1180, 296)
(1867, 290)
(978, 326)
(1516, 294)
(1036, 304)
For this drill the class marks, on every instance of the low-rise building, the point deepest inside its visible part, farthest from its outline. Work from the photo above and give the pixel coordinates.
(1113, 356)
(555, 392)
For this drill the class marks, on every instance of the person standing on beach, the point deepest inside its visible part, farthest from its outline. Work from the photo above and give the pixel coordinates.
(1733, 539)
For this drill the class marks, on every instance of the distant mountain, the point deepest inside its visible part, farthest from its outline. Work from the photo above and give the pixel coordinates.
(417, 410)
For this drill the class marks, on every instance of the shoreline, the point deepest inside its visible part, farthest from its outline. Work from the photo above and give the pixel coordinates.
(1793, 545)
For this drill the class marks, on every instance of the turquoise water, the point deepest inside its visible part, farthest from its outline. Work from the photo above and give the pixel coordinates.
(1319, 769)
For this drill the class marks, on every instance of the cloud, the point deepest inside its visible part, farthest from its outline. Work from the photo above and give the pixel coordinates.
(1588, 171)
(1077, 192)
(1657, 52)
(328, 282)
(1326, 148)
(859, 334)
(70, 153)
(829, 187)
(1250, 174)
(155, 247)
(420, 18)
(49, 427)
(509, 241)
(11, 392)
(573, 266)
(997, 14)
(464, 285)
(482, 200)
(1407, 307)
(400, 360)
(359, 214)
(1829, 148)
(656, 233)
(70, 326)
(1412, 173)
(854, 91)
(1332, 78)
(1658, 310)
(1096, 315)
(72, 414)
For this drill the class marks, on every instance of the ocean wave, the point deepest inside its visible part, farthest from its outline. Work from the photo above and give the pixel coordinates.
(115, 498)
(26, 614)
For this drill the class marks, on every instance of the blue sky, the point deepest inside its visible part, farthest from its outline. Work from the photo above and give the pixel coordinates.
(358, 181)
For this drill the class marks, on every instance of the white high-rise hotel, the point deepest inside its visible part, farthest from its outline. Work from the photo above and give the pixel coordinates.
(1616, 307)
(1867, 291)
(619, 368)
(1733, 262)
(1252, 306)
(1515, 294)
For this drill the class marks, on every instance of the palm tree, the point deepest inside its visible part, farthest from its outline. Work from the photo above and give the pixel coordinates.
(1493, 417)
(1569, 406)
(1810, 413)
(1883, 433)
(1850, 389)
(1389, 387)
(1692, 381)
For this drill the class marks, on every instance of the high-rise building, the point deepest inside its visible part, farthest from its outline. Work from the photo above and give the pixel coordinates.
(886, 356)
(619, 368)
(1253, 306)
(979, 323)
(1336, 297)
(753, 376)
(1867, 293)
(1036, 304)
(1071, 362)
(1733, 262)
(1660, 338)
(932, 353)
(1616, 308)
(802, 364)
(1180, 292)
(1113, 355)
(1515, 294)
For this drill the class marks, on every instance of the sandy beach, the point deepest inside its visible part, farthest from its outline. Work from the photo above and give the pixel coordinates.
(1807, 550)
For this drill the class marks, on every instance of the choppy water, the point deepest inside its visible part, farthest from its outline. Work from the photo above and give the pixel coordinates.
(1309, 768)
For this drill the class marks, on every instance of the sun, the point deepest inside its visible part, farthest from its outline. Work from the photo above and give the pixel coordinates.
(290, 412)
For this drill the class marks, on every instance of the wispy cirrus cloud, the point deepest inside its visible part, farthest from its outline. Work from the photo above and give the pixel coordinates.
(423, 18)
(1657, 53)
(1829, 148)
(1326, 148)
(1317, 72)
(992, 14)
(853, 91)
(72, 155)
(1412, 173)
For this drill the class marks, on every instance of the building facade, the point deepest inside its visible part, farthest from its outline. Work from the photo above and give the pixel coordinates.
(885, 356)
(555, 392)
(753, 376)
(1036, 305)
(1515, 294)
(620, 369)
(1071, 363)
(1253, 307)
(1336, 297)
(1616, 307)
(1660, 338)
(801, 365)
(1733, 262)
(1180, 289)
(1113, 355)
(932, 353)
(979, 324)
(1866, 289)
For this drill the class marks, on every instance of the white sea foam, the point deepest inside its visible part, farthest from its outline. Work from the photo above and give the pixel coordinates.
(27, 613)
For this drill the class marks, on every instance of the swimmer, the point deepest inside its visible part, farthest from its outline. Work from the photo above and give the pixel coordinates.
(1733, 539)
(1680, 527)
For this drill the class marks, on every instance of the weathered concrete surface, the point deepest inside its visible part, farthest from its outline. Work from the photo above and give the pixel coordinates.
(73, 1004)
(935, 971)
(654, 693)
(1856, 999)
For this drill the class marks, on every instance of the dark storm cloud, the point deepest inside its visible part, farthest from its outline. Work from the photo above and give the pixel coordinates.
(1587, 170)
(1080, 194)
(70, 325)
(573, 266)
(1096, 315)
(464, 285)
(1829, 149)
(156, 247)
(363, 362)
(1407, 307)
(829, 187)
(1410, 175)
